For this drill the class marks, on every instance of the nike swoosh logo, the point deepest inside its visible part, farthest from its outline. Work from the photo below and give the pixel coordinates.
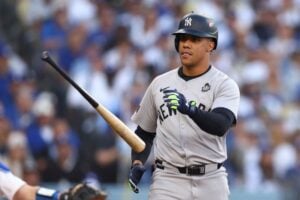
(162, 89)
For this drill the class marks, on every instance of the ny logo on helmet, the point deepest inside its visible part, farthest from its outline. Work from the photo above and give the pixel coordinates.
(188, 22)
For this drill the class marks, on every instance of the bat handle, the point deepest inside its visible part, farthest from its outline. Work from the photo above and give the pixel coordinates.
(46, 57)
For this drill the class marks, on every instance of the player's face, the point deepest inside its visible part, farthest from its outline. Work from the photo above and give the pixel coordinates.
(193, 50)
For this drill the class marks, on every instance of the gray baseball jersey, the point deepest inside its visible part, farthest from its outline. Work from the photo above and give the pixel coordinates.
(179, 140)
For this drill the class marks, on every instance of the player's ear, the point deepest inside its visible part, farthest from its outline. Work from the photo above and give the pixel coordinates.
(211, 45)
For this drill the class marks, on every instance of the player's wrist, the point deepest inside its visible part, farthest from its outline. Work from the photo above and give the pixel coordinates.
(192, 109)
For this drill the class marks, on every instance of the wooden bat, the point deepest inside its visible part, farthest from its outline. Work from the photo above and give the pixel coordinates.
(135, 142)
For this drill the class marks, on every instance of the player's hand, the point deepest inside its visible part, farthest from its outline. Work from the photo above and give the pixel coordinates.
(135, 175)
(177, 101)
(82, 191)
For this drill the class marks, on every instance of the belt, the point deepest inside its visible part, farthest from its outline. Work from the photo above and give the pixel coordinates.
(192, 170)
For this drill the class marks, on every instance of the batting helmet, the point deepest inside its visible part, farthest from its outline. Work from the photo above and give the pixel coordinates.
(196, 25)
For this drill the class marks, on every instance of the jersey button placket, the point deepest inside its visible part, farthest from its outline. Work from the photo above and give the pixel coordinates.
(182, 137)
(181, 131)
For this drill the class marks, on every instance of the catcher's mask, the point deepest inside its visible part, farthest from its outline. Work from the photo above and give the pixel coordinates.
(196, 25)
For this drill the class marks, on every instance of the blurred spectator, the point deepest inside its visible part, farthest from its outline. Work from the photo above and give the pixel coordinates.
(104, 29)
(31, 174)
(283, 44)
(61, 129)
(39, 133)
(145, 32)
(291, 179)
(54, 29)
(105, 161)
(23, 98)
(81, 11)
(269, 181)
(34, 11)
(264, 28)
(6, 82)
(290, 73)
(254, 133)
(157, 56)
(18, 153)
(289, 13)
(5, 129)
(75, 41)
(283, 163)
(13, 77)
(64, 163)
(120, 64)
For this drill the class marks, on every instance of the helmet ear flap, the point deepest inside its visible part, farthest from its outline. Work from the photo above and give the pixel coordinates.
(176, 41)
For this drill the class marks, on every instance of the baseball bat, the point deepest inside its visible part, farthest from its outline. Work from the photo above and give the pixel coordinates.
(135, 142)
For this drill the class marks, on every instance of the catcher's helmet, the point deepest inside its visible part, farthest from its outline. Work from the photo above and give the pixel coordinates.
(196, 25)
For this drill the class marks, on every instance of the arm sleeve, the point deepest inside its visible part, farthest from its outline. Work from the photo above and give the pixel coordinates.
(148, 139)
(9, 183)
(216, 122)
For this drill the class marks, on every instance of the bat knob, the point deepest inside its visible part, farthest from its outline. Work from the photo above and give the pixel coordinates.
(45, 55)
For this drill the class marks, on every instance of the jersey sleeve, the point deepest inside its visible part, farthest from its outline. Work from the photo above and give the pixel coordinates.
(9, 183)
(145, 116)
(227, 96)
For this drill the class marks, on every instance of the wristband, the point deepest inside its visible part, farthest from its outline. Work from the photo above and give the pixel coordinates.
(46, 194)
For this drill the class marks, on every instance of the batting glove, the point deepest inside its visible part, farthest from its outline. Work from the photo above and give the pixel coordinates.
(135, 175)
(177, 101)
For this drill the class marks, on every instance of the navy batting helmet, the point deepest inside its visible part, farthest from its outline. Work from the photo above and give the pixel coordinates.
(196, 25)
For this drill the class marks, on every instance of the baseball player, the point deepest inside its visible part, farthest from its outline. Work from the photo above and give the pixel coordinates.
(14, 188)
(185, 114)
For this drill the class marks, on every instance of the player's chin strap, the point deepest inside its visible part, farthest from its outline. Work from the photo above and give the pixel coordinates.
(47, 194)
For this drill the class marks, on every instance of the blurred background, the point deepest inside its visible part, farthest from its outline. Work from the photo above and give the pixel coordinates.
(49, 135)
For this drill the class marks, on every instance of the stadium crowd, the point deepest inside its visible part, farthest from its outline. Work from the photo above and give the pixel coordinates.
(113, 49)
